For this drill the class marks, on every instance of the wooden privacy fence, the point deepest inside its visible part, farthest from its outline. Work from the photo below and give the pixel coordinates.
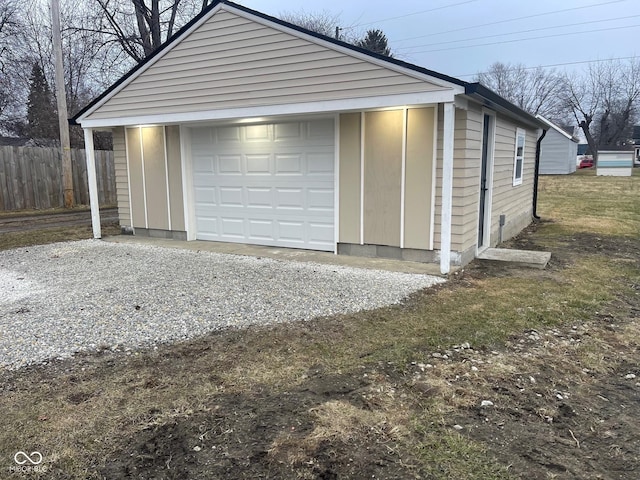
(31, 177)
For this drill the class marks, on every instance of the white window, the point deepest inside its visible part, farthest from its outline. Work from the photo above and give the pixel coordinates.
(518, 161)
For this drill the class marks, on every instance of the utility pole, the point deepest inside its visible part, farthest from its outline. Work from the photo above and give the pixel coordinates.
(61, 97)
(338, 29)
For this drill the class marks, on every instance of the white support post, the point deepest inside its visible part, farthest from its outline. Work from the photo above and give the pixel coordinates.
(447, 187)
(93, 183)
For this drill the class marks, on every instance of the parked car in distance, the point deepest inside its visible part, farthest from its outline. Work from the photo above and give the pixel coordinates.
(586, 163)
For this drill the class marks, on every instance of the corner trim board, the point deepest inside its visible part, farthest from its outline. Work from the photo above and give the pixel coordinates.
(403, 172)
(434, 173)
(336, 181)
(362, 145)
(447, 187)
(90, 158)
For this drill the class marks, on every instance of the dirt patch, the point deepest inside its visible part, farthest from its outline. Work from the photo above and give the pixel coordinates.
(265, 434)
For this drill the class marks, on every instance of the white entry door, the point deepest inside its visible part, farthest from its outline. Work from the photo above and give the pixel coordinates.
(268, 184)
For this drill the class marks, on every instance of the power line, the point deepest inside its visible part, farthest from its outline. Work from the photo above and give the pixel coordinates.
(556, 65)
(512, 20)
(415, 13)
(518, 32)
(523, 39)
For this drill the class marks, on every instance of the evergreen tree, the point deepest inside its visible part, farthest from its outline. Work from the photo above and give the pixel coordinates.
(41, 112)
(376, 42)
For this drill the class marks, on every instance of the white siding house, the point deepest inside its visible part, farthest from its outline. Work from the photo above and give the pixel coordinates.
(616, 163)
(558, 150)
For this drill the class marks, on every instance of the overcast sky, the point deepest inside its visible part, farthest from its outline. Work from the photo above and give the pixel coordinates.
(463, 37)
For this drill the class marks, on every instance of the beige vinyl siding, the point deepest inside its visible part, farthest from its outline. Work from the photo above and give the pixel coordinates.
(155, 177)
(234, 62)
(466, 169)
(174, 163)
(468, 205)
(122, 176)
(382, 177)
(418, 178)
(134, 153)
(516, 203)
(350, 140)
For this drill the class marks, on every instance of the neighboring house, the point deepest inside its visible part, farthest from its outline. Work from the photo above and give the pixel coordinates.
(616, 162)
(558, 150)
(245, 128)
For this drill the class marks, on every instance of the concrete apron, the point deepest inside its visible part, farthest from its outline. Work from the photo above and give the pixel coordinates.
(280, 253)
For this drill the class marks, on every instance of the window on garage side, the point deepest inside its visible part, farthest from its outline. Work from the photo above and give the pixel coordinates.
(518, 161)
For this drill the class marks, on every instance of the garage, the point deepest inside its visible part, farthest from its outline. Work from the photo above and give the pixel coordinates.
(268, 184)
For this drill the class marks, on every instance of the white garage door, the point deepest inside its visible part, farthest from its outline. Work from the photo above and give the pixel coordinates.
(265, 184)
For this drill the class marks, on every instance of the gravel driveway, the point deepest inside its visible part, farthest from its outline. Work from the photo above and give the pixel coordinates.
(59, 299)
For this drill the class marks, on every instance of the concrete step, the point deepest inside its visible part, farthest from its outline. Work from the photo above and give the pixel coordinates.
(528, 258)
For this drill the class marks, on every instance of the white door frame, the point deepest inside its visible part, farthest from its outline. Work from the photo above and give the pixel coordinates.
(488, 199)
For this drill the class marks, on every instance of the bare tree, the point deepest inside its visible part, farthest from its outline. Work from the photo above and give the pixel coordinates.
(604, 102)
(324, 22)
(536, 91)
(621, 91)
(139, 27)
(9, 27)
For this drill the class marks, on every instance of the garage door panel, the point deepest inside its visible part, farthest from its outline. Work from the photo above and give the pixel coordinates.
(227, 134)
(261, 229)
(229, 164)
(205, 197)
(320, 199)
(259, 197)
(257, 133)
(288, 164)
(258, 164)
(203, 164)
(321, 233)
(232, 227)
(320, 129)
(290, 198)
(320, 164)
(231, 197)
(266, 184)
(291, 231)
(210, 226)
(287, 131)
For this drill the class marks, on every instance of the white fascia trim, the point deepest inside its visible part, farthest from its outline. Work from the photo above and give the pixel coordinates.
(555, 127)
(149, 64)
(347, 51)
(357, 104)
